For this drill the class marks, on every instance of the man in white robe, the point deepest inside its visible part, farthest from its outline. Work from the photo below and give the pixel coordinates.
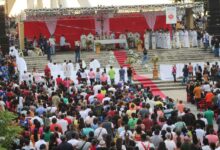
(177, 39)
(181, 34)
(194, 39)
(112, 36)
(147, 40)
(190, 37)
(83, 41)
(186, 39)
(136, 37)
(154, 40)
(164, 40)
(122, 36)
(68, 70)
(168, 40)
(94, 64)
(13, 52)
(90, 37)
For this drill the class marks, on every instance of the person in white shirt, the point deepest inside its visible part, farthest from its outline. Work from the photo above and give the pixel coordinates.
(170, 144)
(74, 140)
(40, 142)
(96, 88)
(100, 131)
(200, 133)
(62, 42)
(63, 123)
(145, 143)
(89, 119)
(52, 44)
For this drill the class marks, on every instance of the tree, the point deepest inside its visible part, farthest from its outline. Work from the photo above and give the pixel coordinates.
(8, 129)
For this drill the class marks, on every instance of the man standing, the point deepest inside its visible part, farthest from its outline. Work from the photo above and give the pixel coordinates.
(77, 52)
(62, 42)
(144, 56)
(209, 115)
(122, 74)
(52, 44)
(111, 74)
(129, 74)
(216, 46)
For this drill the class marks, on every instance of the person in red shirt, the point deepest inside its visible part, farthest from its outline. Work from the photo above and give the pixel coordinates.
(54, 125)
(209, 97)
(59, 80)
(100, 96)
(147, 122)
(47, 72)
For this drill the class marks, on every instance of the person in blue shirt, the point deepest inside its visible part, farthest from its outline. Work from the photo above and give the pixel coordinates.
(122, 74)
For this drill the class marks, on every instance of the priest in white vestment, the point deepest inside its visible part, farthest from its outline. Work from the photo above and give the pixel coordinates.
(168, 40)
(122, 36)
(194, 39)
(154, 40)
(147, 40)
(190, 32)
(177, 39)
(83, 41)
(68, 70)
(181, 33)
(94, 64)
(186, 39)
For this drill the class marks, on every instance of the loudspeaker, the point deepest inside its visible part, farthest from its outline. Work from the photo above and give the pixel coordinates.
(3, 38)
(213, 17)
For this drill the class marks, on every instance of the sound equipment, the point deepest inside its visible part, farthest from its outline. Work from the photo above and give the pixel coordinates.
(4, 43)
(213, 21)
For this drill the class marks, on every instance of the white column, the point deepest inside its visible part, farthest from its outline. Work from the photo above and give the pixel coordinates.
(30, 4)
(84, 3)
(39, 4)
(53, 4)
(62, 3)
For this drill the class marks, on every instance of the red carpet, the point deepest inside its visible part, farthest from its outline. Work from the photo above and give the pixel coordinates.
(121, 57)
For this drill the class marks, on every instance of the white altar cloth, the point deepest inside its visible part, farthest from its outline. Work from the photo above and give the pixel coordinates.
(111, 41)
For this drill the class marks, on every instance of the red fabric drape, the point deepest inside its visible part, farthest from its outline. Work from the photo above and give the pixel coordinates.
(73, 29)
(34, 28)
(133, 23)
(161, 23)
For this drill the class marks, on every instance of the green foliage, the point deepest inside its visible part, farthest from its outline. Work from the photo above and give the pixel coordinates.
(8, 129)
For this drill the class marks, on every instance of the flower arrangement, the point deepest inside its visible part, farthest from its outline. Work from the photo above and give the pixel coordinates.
(133, 58)
(154, 59)
(111, 58)
(98, 44)
(139, 42)
(88, 42)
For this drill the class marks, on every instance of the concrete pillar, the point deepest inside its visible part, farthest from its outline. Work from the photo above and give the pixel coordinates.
(39, 4)
(189, 18)
(53, 4)
(84, 3)
(21, 35)
(30, 4)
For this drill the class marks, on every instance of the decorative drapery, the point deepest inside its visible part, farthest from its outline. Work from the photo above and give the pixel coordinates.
(51, 25)
(98, 24)
(151, 18)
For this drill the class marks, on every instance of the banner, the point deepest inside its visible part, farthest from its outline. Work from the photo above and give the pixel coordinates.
(171, 15)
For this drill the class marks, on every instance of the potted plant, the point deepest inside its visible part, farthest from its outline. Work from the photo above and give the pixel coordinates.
(155, 60)
(139, 45)
(98, 47)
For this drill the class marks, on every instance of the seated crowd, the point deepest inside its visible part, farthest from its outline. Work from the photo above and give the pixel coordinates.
(117, 116)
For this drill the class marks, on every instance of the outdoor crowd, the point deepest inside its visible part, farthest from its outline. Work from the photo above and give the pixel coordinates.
(56, 114)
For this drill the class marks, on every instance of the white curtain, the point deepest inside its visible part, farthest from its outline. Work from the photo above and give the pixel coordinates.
(151, 18)
(51, 25)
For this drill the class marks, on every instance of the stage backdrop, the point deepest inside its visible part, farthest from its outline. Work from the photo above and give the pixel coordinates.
(72, 28)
